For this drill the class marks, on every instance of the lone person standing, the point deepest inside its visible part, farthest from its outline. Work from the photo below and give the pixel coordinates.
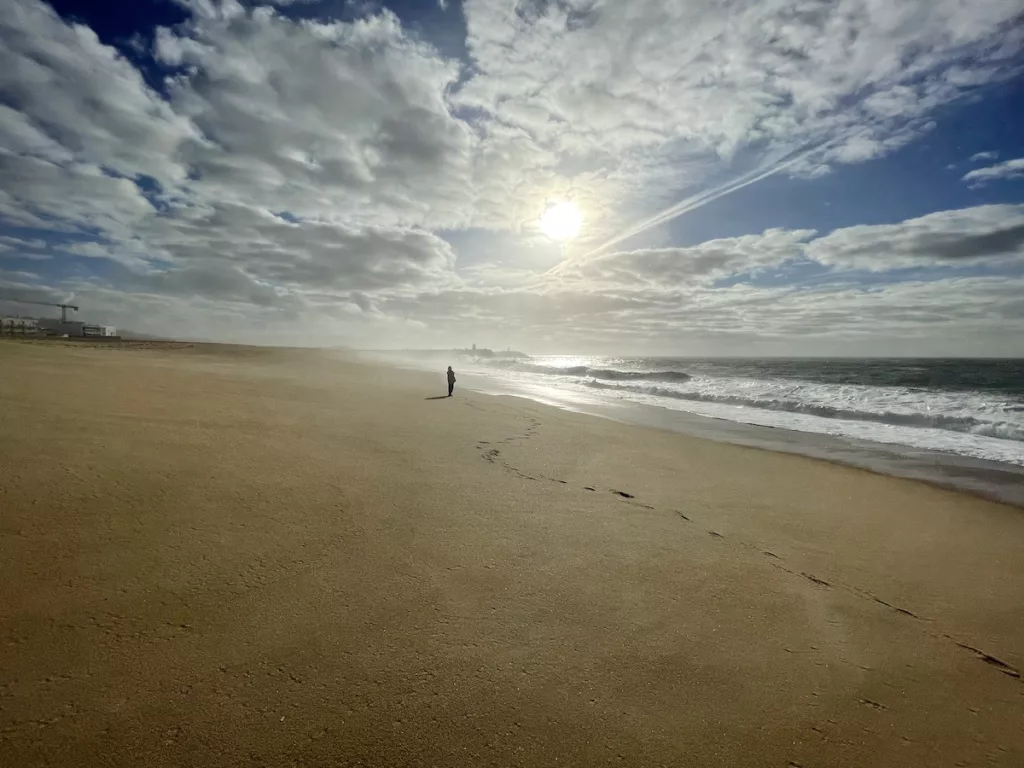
(451, 381)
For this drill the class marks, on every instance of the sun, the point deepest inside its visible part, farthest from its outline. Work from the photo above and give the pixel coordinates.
(561, 221)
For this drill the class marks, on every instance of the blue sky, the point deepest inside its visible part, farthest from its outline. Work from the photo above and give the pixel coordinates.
(824, 177)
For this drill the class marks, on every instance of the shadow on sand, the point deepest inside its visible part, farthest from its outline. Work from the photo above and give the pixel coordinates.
(439, 397)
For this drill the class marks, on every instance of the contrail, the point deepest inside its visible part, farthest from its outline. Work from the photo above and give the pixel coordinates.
(696, 201)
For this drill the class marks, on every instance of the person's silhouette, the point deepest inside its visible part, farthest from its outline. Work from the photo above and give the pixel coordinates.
(451, 381)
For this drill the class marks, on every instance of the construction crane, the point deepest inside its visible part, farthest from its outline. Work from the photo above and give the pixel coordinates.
(63, 307)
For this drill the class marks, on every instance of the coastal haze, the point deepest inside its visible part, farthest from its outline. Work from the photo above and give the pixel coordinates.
(511, 383)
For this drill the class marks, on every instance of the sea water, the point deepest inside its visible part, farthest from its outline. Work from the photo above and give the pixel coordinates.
(967, 407)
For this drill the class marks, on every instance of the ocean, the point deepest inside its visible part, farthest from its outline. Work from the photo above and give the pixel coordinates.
(967, 407)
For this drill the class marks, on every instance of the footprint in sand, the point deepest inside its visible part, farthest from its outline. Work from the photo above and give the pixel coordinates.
(873, 704)
(816, 580)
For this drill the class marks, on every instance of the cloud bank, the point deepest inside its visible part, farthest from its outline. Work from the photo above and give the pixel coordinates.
(298, 180)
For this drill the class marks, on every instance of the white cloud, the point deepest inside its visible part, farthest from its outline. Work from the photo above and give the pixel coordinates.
(37, 193)
(946, 238)
(666, 307)
(987, 232)
(758, 86)
(664, 299)
(17, 242)
(15, 247)
(315, 257)
(900, 319)
(320, 119)
(671, 268)
(69, 97)
(354, 119)
(1009, 169)
(603, 77)
(979, 157)
(293, 156)
(305, 171)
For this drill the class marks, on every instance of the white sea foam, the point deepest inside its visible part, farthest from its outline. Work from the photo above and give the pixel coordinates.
(979, 424)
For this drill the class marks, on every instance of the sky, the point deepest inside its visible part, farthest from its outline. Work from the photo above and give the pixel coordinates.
(748, 177)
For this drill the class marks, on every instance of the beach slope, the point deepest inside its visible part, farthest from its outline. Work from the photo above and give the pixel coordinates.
(229, 556)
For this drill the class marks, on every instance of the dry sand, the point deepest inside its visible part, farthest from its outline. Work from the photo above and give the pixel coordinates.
(222, 556)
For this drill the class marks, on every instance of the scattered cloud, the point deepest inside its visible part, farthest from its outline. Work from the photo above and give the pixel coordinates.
(15, 247)
(946, 237)
(70, 100)
(51, 197)
(17, 242)
(319, 119)
(659, 299)
(672, 268)
(850, 80)
(979, 157)
(906, 318)
(302, 175)
(1009, 169)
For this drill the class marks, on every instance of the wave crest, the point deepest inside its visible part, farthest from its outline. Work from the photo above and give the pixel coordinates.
(967, 424)
(608, 374)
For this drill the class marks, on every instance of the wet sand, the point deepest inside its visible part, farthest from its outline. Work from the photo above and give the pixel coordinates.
(228, 556)
(997, 481)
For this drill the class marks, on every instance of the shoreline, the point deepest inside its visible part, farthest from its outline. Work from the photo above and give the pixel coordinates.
(994, 481)
(985, 479)
(991, 480)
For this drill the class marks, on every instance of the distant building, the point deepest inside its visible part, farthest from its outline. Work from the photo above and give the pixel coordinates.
(75, 329)
(54, 327)
(19, 325)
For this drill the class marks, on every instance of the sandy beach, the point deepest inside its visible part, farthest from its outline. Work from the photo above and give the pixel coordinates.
(230, 556)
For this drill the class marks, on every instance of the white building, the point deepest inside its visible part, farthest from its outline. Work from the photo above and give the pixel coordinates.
(18, 325)
(51, 326)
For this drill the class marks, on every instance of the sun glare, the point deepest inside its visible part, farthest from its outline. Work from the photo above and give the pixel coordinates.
(561, 221)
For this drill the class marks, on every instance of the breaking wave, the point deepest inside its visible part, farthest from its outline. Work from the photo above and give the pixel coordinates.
(607, 374)
(1002, 429)
(974, 408)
